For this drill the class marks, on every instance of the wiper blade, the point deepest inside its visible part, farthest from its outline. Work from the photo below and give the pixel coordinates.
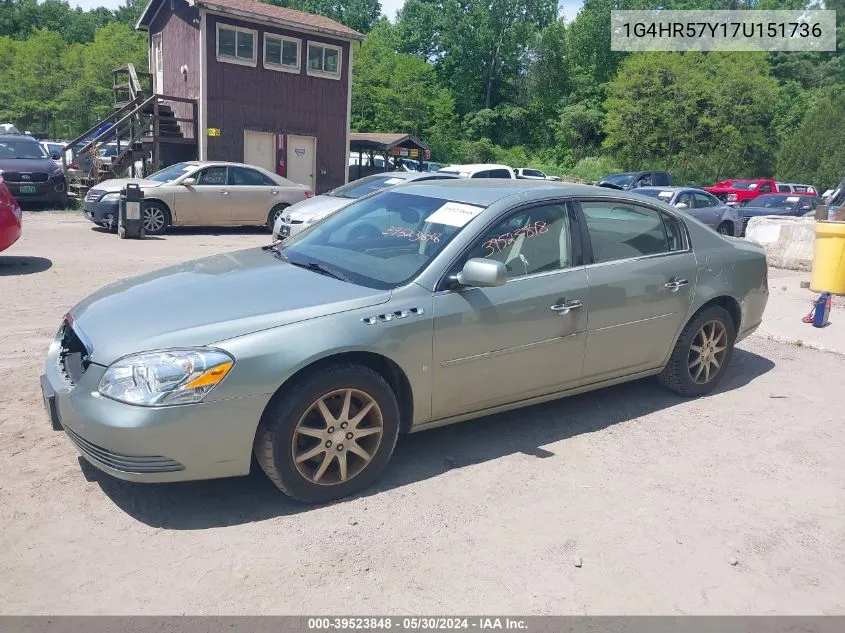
(319, 268)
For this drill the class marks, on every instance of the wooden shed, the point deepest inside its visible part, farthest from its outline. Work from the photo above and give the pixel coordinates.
(272, 84)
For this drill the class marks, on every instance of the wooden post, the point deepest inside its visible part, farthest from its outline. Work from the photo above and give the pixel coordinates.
(156, 147)
(195, 116)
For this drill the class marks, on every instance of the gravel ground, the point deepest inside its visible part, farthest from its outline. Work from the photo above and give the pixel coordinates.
(731, 504)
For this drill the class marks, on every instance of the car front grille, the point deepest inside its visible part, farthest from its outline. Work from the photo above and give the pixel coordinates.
(73, 355)
(94, 194)
(124, 463)
(24, 176)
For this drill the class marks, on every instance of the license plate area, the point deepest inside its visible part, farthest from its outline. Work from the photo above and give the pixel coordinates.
(28, 189)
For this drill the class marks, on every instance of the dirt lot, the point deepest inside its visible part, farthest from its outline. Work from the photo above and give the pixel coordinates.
(657, 496)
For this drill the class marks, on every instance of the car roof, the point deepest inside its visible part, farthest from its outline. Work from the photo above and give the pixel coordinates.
(474, 167)
(486, 191)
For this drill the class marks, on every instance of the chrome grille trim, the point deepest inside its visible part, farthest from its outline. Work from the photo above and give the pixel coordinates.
(124, 463)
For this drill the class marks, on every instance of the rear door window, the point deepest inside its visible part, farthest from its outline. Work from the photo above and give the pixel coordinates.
(660, 179)
(620, 230)
(498, 173)
(241, 176)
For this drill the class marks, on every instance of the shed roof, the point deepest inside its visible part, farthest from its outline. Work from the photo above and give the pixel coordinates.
(262, 12)
(383, 141)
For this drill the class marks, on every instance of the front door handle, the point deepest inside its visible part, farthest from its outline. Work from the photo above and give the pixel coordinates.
(675, 284)
(224, 192)
(566, 306)
(273, 192)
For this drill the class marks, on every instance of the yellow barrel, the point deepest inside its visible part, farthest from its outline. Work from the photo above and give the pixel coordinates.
(829, 258)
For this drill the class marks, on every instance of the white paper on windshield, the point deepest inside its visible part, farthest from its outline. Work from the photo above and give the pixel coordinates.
(664, 194)
(454, 214)
(793, 199)
(393, 181)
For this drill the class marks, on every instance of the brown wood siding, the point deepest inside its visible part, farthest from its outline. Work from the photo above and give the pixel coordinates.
(245, 98)
(180, 38)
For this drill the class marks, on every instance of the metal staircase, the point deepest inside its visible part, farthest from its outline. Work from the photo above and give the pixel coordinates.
(142, 134)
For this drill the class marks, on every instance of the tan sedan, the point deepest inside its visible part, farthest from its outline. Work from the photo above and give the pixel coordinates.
(198, 193)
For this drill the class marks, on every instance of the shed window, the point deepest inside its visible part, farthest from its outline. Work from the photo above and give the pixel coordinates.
(281, 53)
(324, 60)
(236, 45)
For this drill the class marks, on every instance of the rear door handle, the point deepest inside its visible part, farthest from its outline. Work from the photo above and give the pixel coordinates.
(674, 284)
(224, 192)
(566, 306)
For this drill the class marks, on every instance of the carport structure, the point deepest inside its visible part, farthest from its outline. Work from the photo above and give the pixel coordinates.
(384, 144)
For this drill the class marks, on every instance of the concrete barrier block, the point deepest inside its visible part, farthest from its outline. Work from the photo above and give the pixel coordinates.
(788, 241)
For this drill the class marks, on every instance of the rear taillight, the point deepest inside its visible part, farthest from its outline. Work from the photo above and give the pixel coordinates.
(309, 194)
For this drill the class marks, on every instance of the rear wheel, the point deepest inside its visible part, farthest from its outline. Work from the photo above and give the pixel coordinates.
(725, 228)
(701, 354)
(275, 213)
(155, 218)
(330, 435)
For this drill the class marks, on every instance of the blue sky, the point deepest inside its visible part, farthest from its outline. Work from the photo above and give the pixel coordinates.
(389, 7)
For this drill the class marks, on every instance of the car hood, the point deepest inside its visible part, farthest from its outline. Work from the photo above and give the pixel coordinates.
(28, 164)
(116, 184)
(316, 207)
(208, 300)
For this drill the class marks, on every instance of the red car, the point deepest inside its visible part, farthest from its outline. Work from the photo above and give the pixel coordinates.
(735, 193)
(10, 218)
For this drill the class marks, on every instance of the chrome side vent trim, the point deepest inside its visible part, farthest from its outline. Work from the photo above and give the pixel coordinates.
(392, 316)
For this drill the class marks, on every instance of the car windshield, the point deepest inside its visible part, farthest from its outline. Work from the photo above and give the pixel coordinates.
(381, 242)
(171, 173)
(745, 185)
(620, 180)
(775, 201)
(21, 149)
(363, 186)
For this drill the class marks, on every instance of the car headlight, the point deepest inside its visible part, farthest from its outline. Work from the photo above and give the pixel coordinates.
(175, 376)
(115, 195)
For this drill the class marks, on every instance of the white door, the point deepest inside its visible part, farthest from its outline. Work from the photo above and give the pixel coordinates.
(158, 64)
(302, 159)
(260, 149)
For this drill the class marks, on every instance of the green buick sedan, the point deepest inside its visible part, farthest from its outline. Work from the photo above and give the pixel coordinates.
(412, 308)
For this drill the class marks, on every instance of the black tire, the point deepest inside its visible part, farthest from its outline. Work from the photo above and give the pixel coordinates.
(275, 212)
(677, 375)
(155, 217)
(725, 228)
(274, 439)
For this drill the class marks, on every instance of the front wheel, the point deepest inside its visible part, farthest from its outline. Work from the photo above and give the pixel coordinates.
(701, 354)
(725, 228)
(155, 218)
(330, 434)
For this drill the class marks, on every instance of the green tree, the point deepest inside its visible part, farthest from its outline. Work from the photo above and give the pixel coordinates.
(360, 15)
(815, 153)
(704, 116)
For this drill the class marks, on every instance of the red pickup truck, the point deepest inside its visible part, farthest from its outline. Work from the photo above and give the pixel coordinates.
(735, 192)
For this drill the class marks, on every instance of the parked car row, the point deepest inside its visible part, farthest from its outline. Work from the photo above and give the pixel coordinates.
(416, 305)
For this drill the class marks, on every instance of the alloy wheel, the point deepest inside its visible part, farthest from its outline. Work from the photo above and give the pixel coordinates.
(707, 352)
(337, 437)
(723, 229)
(153, 219)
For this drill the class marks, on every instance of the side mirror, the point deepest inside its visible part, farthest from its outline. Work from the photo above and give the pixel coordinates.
(483, 273)
(682, 205)
(189, 182)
